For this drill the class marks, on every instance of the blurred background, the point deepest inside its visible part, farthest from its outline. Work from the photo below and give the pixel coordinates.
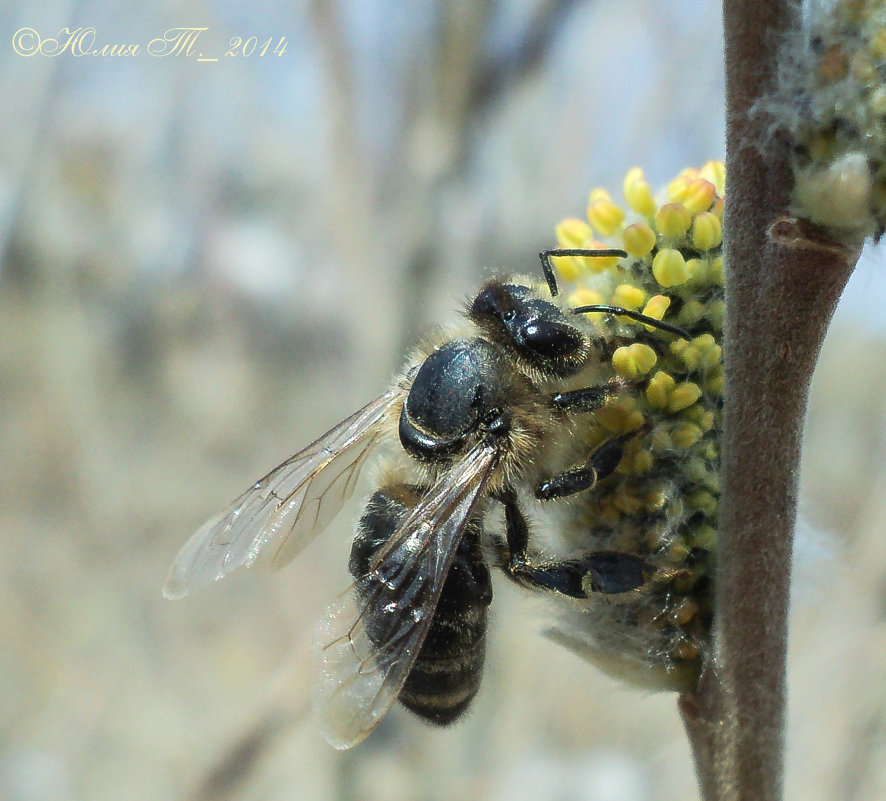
(205, 264)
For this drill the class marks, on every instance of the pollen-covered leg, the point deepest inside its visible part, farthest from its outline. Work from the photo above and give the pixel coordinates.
(602, 463)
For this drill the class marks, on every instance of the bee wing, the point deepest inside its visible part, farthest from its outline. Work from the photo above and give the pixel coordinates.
(367, 644)
(280, 514)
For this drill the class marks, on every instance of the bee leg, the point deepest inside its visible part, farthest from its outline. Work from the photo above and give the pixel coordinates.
(611, 572)
(606, 572)
(602, 463)
(588, 399)
(565, 579)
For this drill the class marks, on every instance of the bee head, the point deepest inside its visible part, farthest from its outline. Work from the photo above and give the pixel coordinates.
(532, 329)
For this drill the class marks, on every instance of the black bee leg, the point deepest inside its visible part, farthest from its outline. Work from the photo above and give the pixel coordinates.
(602, 463)
(563, 578)
(588, 399)
(516, 528)
(612, 572)
(607, 572)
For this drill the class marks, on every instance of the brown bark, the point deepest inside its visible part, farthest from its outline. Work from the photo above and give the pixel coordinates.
(780, 295)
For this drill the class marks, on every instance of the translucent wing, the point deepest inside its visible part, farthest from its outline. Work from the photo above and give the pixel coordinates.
(367, 644)
(280, 514)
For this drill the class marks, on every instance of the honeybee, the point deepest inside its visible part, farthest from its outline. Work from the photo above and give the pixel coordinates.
(486, 416)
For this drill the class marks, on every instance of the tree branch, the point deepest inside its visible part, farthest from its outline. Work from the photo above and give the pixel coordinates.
(780, 295)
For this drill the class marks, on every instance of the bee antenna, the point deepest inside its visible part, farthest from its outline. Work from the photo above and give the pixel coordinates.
(633, 315)
(547, 266)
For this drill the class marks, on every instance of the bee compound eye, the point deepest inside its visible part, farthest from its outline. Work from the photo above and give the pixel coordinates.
(550, 339)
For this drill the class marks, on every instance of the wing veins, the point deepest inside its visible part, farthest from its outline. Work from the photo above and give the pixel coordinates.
(264, 524)
(352, 691)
